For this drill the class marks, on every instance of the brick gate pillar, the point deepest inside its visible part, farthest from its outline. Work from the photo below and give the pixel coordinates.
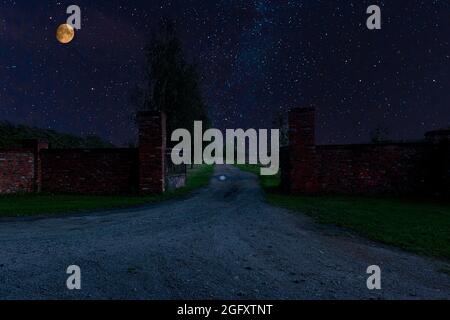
(36, 145)
(302, 153)
(152, 151)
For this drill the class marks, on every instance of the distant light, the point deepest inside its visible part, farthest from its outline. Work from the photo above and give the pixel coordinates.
(222, 178)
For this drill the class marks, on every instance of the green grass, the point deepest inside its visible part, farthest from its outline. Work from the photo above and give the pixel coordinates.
(26, 205)
(269, 183)
(418, 226)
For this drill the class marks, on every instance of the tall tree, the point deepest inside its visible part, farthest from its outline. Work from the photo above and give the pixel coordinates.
(172, 83)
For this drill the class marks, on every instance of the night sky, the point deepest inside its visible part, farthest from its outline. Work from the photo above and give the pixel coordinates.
(256, 58)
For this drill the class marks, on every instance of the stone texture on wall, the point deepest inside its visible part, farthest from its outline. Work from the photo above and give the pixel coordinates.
(378, 169)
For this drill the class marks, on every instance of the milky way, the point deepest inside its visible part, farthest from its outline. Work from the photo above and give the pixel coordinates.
(257, 59)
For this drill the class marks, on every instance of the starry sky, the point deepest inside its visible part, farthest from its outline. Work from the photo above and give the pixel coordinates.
(257, 59)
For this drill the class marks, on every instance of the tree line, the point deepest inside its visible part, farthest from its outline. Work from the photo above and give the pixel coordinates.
(11, 136)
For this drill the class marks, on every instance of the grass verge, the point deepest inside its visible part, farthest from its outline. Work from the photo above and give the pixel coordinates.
(27, 205)
(418, 226)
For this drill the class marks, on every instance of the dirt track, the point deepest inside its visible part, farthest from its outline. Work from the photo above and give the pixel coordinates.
(224, 242)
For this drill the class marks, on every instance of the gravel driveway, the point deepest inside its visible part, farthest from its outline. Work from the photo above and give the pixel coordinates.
(224, 242)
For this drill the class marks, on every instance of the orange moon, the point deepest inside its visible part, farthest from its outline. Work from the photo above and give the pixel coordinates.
(65, 33)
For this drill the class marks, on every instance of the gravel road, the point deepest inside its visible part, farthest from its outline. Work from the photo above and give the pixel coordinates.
(223, 242)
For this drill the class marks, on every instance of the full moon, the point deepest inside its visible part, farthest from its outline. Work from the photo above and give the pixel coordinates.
(65, 33)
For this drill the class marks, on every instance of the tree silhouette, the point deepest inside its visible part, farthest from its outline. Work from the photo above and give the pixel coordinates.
(172, 83)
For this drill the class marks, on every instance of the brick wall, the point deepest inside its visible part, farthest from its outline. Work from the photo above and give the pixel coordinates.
(90, 171)
(389, 169)
(16, 171)
(371, 169)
